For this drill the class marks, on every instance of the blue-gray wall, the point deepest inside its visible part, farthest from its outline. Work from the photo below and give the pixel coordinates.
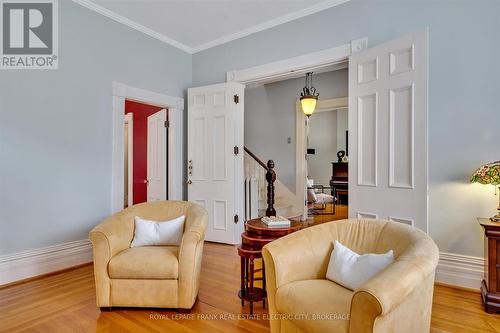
(270, 118)
(55, 139)
(55, 127)
(464, 90)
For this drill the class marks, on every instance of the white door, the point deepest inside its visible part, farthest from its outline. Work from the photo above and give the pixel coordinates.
(388, 131)
(215, 157)
(157, 152)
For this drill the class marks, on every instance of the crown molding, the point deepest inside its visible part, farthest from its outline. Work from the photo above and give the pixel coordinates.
(134, 25)
(216, 42)
(269, 24)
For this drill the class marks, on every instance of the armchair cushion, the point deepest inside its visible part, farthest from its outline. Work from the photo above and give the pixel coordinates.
(145, 262)
(299, 301)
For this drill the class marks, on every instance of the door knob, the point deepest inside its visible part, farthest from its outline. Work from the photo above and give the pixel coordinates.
(189, 182)
(146, 181)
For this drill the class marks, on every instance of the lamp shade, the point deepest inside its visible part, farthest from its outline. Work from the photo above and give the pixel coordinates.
(487, 174)
(308, 96)
(308, 104)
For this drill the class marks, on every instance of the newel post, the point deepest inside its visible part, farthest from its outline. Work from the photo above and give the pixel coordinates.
(270, 178)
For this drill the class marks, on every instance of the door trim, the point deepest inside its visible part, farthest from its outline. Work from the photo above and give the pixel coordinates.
(129, 119)
(300, 141)
(175, 158)
(320, 61)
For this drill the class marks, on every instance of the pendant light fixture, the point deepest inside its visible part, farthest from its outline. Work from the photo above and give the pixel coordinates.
(308, 96)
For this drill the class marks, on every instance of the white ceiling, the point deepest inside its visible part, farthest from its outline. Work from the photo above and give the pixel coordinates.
(195, 25)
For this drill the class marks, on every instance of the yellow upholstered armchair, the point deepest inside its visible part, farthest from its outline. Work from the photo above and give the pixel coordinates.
(148, 276)
(398, 299)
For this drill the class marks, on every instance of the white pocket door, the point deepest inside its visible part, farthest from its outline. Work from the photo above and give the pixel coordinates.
(215, 157)
(388, 131)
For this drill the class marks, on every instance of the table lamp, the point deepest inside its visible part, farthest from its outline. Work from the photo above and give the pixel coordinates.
(489, 174)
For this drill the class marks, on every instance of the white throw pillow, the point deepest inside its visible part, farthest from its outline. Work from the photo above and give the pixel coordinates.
(158, 233)
(352, 270)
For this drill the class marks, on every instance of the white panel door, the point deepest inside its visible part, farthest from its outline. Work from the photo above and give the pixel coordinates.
(215, 170)
(388, 131)
(157, 156)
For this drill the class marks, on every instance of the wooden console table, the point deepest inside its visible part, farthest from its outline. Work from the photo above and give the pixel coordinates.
(256, 235)
(490, 287)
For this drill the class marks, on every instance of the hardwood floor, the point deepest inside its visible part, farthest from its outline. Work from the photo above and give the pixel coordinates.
(65, 302)
(324, 215)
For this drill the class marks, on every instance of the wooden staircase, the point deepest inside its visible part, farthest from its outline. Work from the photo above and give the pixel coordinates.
(265, 194)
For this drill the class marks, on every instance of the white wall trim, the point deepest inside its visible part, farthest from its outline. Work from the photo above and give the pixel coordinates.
(460, 270)
(453, 269)
(219, 41)
(291, 67)
(300, 142)
(129, 120)
(134, 25)
(175, 106)
(30, 263)
(270, 24)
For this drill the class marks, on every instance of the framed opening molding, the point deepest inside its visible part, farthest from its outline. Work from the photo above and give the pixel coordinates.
(175, 158)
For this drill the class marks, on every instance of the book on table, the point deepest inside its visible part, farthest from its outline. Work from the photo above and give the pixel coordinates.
(275, 221)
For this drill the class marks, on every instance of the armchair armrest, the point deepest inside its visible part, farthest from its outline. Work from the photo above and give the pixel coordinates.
(117, 231)
(190, 254)
(393, 286)
(108, 238)
(299, 256)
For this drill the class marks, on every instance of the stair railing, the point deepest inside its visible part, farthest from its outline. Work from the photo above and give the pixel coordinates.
(270, 179)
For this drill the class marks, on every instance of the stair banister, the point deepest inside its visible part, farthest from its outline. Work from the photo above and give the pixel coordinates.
(270, 178)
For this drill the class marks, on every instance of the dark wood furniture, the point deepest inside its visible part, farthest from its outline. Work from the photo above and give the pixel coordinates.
(256, 235)
(490, 287)
(339, 180)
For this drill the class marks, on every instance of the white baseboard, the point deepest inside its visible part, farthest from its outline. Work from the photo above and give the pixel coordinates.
(453, 269)
(30, 263)
(460, 270)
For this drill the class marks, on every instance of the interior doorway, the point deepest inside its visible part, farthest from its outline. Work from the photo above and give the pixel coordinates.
(272, 115)
(327, 159)
(145, 153)
(388, 123)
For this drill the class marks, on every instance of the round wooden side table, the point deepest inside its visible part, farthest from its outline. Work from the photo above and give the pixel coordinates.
(256, 235)
(248, 291)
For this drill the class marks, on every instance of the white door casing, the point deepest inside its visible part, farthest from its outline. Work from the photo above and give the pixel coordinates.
(215, 172)
(322, 105)
(175, 107)
(157, 156)
(388, 115)
(129, 120)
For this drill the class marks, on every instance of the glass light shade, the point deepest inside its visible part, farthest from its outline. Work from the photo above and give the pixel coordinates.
(487, 174)
(308, 104)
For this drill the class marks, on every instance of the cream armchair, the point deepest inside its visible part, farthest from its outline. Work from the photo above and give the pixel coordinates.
(398, 299)
(149, 276)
